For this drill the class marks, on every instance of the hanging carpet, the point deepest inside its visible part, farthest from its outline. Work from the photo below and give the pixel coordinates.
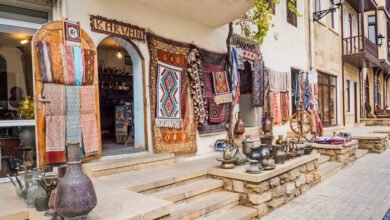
(45, 61)
(197, 86)
(168, 110)
(73, 124)
(88, 120)
(54, 106)
(213, 62)
(89, 66)
(176, 140)
(221, 88)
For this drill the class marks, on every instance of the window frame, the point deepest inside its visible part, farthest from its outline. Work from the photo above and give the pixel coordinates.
(372, 24)
(330, 86)
(292, 18)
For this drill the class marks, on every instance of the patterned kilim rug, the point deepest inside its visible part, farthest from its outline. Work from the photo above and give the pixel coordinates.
(213, 62)
(387, 215)
(176, 140)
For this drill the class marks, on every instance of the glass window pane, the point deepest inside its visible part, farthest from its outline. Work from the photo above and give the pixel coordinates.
(332, 80)
(16, 76)
(326, 119)
(332, 105)
(17, 147)
(372, 33)
(371, 19)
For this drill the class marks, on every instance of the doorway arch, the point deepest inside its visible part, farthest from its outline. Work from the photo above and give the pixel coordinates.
(140, 129)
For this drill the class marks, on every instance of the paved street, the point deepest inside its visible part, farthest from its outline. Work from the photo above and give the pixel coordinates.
(360, 191)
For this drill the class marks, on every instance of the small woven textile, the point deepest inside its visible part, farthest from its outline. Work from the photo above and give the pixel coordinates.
(87, 100)
(249, 55)
(69, 66)
(168, 108)
(285, 106)
(55, 139)
(221, 87)
(54, 94)
(64, 64)
(275, 107)
(90, 134)
(197, 86)
(258, 83)
(56, 63)
(78, 65)
(73, 125)
(45, 61)
(89, 66)
(279, 81)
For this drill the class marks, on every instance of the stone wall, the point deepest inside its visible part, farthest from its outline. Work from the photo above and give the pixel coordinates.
(377, 145)
(272, 193)
(376, 122)
(343, 154)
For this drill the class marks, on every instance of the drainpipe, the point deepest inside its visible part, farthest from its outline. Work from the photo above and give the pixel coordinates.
(64, 8)
(342, 64)
(311, 35)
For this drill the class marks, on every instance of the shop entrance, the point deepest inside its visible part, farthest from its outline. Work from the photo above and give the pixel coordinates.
(121, 97)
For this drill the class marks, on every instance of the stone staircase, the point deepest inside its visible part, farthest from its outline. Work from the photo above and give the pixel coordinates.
(328, 168)
(202, 198)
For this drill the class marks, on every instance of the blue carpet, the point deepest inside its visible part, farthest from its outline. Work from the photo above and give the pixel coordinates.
(387, 215)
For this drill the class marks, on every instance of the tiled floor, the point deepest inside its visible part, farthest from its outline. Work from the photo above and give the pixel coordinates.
(360, 191)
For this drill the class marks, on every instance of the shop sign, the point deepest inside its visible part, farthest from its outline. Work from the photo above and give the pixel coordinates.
(113, 27)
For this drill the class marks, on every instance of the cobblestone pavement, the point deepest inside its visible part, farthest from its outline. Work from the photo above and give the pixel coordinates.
(359, 191)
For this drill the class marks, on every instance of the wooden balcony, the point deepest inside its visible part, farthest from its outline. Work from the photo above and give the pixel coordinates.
(358, 48)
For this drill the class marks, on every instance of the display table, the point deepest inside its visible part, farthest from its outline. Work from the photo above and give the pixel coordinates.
(270, 189)
(374, 143)
(342, 153)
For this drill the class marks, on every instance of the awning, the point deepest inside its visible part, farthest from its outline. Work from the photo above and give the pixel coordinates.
(213, 13)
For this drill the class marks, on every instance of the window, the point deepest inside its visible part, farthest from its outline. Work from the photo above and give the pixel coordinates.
(348, 96)
(327, 99)
(350, 24)
(291, 15)
(372, 28)
(17, 131)
(271, 5)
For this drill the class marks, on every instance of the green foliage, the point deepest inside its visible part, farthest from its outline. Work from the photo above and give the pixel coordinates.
(256, 22)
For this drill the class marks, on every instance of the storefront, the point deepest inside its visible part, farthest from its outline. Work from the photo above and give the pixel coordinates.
(18, 22)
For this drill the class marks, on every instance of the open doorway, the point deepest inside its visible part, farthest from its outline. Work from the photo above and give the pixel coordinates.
(118, 97)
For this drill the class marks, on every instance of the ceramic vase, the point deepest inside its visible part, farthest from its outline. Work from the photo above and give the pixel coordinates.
(267, 123)
(75, 196)
(239, 128)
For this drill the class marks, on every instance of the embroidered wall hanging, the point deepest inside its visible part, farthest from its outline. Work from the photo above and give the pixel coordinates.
(168, 96)
(197, 86)
(213, 62)
(221, 87)
(176, 140)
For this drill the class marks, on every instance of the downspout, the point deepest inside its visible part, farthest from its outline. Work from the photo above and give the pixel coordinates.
(342, 64)
(64, 8)
(311, 35)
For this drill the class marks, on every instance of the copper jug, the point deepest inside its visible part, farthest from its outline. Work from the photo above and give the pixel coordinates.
(267, 122)
(239, 128)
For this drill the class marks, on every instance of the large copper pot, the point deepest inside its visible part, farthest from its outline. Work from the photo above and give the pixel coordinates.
(239, 128)
(76, 195)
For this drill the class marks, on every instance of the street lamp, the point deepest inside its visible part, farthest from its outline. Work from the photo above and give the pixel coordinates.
(320, 14)
(380, 39)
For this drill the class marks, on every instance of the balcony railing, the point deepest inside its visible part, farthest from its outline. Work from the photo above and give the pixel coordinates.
(354, 46)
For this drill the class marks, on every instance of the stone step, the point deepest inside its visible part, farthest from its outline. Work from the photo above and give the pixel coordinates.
(323, 159)
(361, 153)
(236, 213)
(115, 165)
(328, 169)
(188, 190)
(204, 205)
(124, 204)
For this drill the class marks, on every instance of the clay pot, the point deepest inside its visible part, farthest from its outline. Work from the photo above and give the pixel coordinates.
(239, 128)
(76, 195)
